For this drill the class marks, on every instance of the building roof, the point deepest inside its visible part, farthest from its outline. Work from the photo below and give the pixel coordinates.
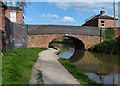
(14, 8)
(100, 16)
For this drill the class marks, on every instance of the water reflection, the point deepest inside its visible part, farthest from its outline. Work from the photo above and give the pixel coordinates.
(66, 50)
(100, 67)
(103, 68)
(77, 55)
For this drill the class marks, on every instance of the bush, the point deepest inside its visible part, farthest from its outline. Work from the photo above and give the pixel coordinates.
(108, 34)
(111, 47)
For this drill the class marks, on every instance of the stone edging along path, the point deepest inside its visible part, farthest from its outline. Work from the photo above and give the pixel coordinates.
(52, 71)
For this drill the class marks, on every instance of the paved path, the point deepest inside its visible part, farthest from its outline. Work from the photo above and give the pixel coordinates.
(53, 71)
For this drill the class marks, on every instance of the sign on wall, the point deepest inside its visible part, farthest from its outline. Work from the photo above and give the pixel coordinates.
(13, 16)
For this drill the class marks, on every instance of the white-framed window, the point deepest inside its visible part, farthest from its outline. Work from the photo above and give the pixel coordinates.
(13, 16)
(102, 23)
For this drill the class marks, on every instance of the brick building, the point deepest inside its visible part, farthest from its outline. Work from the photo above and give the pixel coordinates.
(2, 16)
(101, 20)
(14, 14)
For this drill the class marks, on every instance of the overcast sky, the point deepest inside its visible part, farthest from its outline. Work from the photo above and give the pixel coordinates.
(65, 13)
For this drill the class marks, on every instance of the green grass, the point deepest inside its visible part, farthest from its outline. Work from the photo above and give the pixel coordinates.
(0, 69)
(17, 64)
(80, 76)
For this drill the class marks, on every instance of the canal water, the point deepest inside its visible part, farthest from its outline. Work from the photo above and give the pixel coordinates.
(102, 68)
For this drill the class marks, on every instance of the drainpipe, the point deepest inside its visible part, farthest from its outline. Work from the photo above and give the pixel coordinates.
(114, 13)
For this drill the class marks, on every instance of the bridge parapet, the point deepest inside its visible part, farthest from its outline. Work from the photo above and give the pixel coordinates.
(61, 29)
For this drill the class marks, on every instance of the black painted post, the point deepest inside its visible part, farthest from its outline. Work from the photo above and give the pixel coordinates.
(100, 34)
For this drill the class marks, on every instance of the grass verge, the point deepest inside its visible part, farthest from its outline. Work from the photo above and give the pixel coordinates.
(0, 69)
(80, 76)
(17, 64)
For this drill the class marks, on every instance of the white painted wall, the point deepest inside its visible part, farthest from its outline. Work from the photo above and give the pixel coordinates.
(13, 16)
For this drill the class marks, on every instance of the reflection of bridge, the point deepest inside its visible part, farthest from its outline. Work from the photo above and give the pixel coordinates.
(21, 35)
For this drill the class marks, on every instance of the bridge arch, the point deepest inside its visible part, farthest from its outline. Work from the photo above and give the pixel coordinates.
(43, 40)
(79, 47)
(77, 42)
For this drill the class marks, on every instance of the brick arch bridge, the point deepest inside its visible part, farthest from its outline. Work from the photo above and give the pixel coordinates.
(22, 35)
(44, 40)
(42, 35)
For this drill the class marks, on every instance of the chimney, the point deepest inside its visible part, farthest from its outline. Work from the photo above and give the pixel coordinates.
(102, 12)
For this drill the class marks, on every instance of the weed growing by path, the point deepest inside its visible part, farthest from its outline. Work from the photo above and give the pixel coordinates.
(39, 77)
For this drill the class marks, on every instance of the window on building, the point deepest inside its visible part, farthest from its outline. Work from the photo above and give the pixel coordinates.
(102, 23)
(13, 16)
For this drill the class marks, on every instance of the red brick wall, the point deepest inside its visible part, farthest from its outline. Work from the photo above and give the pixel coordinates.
(2, 24)
(117, 32)
(19, 16)
(2, 18)
(97, 23)
(44, 40)
(7, 14)
(0, 40)
(108, 22)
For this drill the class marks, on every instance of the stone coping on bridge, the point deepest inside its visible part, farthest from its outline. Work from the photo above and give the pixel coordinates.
(60, 29)
(57, 29)
(66, 34)
(59, 25)
(56, 25)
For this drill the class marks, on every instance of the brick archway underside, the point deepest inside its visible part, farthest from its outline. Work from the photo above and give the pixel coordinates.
(44, 40)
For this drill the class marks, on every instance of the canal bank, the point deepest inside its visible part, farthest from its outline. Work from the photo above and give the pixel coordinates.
(52, 71)
(102, 68)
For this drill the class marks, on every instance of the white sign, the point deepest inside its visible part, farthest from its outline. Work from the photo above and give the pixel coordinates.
(13, 16)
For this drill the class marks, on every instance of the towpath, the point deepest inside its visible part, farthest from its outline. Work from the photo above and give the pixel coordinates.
(53, 72)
